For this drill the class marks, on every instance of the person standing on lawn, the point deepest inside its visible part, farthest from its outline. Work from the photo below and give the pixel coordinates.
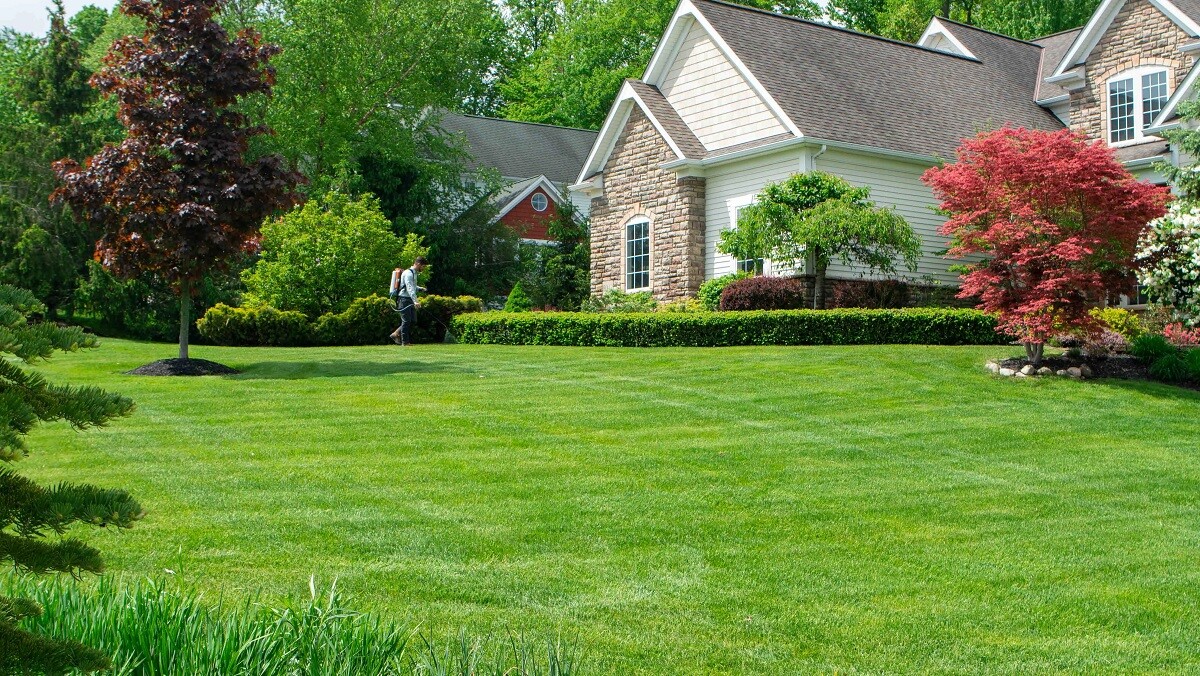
(407, 302)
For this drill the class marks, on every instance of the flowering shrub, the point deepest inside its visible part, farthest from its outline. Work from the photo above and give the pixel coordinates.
(620, 302)
(1181, 336)
(1169, 261)
(1105, 344)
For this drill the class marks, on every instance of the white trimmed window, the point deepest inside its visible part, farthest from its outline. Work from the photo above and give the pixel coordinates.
(539, 201)
(1135, 98)
(637, 255)
(737, 207)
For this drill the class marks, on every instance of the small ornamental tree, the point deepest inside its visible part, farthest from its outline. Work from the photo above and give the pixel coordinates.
(1168, 262)
(325, 255)
(1058, 219)
(34, 518)
(177, 198)
(821, 215)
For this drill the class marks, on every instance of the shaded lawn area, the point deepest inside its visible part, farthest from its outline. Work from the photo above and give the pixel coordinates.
(752, 510)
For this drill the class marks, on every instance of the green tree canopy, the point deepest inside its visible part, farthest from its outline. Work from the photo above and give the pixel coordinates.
(821, 216)
(906, 19)
(34, 520)
(325, 255)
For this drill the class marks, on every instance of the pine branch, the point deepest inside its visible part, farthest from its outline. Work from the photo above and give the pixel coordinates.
(64, 556)
(23, 652)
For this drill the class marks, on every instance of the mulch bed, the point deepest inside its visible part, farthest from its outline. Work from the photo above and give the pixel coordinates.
(184, 367)
(1122, 367)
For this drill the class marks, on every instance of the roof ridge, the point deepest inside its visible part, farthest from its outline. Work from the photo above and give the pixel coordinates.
(984, 30)
(1062, 32)
(840, 29)
(534, 124)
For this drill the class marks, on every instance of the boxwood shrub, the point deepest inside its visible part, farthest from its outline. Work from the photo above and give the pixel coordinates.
(791, 327)
(368, 321)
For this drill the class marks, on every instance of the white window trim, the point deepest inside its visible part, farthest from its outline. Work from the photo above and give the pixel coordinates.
(1139, 134)
(545, 202)
(649, 254)
(741, 203)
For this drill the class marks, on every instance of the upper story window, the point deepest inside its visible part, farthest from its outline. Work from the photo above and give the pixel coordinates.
(637, 255)
(540, 203)
(1135, 98)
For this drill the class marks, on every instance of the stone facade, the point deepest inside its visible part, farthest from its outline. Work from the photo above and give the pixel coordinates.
(635, 185)
(1140, 35)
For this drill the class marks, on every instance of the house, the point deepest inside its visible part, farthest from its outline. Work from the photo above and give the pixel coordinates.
(735, 98)
(536, 163)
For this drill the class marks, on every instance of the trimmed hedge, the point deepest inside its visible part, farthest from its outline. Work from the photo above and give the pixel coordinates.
(924, 326)
(368, 321)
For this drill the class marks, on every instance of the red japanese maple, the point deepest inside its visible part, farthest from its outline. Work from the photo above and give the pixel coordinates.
(178, 197)
(1058, 219)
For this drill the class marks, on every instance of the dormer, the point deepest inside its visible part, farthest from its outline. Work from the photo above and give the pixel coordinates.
(938, 36)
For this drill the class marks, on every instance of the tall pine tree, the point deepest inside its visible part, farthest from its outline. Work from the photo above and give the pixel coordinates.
(34, 518)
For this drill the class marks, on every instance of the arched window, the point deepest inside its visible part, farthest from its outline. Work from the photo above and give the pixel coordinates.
(637, 254)
(1135, 98)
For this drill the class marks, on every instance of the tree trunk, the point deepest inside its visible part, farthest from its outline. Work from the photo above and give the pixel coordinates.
(946, 8)
(1034, 352)
(819, 286)
(185, 317)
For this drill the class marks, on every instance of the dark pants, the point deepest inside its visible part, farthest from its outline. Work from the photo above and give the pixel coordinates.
(408, 320)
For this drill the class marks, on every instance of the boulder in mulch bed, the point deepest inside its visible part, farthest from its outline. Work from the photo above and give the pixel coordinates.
(184, 367)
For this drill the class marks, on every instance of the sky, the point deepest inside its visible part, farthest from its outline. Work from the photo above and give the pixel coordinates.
(29, 16)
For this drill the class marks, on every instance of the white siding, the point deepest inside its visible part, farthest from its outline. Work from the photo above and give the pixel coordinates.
(896, 183)
(713, 98)
(583, 204)
(732, 182)
(893, 183)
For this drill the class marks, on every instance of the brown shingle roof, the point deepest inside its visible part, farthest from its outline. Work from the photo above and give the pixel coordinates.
(840, 85)
(521, 150)
(665, 113)
(1054, 49)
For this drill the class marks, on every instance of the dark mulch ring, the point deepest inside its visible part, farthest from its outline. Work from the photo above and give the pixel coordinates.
(1123, 367)
(184, 367)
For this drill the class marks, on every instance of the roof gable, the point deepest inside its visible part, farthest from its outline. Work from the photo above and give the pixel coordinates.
(1102, 20)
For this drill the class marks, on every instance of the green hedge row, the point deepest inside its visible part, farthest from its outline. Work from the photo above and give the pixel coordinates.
(368, 321)
(921, 326)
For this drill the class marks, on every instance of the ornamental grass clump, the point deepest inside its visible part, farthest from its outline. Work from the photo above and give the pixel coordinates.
(159, 628)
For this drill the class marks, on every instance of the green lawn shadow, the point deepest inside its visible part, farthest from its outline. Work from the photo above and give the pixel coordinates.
(339, 368)
(1152, 388)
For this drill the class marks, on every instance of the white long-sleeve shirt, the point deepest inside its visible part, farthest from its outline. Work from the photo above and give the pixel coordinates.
(408, 284)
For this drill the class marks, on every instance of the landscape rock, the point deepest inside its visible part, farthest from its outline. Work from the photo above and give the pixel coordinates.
(1086, 371)
(1028, 370)
(993, 367)
(1045, 371)
(1074, 372)
(1007, 373)
(1060, 372)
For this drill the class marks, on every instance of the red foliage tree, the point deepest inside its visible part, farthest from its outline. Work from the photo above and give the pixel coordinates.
(177, 197)
(1058, 219)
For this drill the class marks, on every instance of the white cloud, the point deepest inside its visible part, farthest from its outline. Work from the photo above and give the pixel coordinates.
(31, 16)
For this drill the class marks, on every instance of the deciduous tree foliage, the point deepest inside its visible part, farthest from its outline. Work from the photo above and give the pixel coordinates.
(31, 514)
(325, 255)
(177, 197)
(1058, 218)
(907, 19)
(821, 216)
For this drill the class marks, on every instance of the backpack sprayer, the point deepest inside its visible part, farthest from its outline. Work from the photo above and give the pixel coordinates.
(394, 294)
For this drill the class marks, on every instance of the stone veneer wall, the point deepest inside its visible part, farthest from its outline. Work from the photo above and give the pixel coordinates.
(1140, 35)
(634, 185)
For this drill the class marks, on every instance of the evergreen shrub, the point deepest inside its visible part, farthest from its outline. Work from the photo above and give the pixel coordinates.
(710, 291)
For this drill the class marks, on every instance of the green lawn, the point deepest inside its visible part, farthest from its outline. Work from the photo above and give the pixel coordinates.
(744, 510)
